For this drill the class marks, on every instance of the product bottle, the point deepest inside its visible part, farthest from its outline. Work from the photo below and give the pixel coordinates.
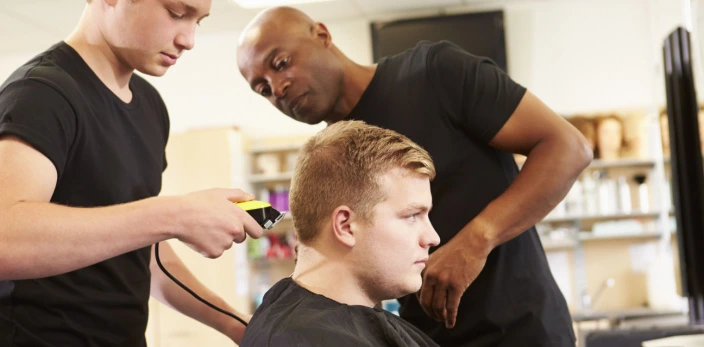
(624, 195)
(643, 201)
(590, 198)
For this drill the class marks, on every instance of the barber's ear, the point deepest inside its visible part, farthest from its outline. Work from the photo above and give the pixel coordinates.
(342, 225)
(321, 33)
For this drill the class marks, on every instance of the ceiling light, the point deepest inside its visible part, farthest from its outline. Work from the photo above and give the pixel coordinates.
(271, 3)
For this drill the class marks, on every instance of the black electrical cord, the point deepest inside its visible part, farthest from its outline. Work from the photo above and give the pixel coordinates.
(158, 262)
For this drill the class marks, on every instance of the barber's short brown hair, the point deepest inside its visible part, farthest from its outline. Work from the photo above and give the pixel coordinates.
(341, 165)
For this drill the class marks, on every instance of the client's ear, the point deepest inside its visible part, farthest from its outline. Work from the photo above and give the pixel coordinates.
(342, 218)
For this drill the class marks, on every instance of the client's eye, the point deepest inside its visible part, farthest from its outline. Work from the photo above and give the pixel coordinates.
(175, 15)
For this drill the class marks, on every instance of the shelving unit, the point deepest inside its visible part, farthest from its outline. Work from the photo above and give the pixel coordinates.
(587, 249)
(267, 175)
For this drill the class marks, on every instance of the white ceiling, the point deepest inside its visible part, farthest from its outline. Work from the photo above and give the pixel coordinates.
(29, 25)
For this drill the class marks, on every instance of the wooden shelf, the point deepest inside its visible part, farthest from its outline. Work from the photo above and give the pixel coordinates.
(256, 149)
(626, 162)
(587, 236)
(280, 177)
(599, 217)
(598, 164)
(556, 245)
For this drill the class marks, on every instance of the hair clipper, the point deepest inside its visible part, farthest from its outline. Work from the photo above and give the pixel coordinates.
(262, 212)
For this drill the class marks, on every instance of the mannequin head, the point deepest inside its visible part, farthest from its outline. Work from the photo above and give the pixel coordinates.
(610, 137)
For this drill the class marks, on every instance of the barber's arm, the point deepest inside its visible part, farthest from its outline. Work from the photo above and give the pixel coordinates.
(549, 142)
(40, 239)
(170, 294)
(557, 154)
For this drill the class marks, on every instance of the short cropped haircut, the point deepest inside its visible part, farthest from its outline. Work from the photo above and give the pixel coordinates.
(341, 165)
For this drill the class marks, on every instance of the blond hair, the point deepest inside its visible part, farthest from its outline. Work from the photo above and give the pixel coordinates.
(341, 165)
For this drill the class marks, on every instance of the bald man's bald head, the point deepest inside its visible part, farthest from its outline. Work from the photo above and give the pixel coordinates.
(276, 21)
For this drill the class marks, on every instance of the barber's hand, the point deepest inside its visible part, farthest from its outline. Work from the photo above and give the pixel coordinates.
(211, 221)
(448, 273)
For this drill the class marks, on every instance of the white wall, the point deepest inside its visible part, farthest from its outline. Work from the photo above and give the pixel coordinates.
(582, 56)
(577, 56)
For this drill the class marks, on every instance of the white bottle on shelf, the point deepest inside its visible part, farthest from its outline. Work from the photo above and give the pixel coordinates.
(590, 197)
(573, 200)
(643, 195)
(643, 201)
(624, 195)
(607, 196)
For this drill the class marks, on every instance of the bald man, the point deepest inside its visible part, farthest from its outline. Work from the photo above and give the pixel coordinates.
(488, 283)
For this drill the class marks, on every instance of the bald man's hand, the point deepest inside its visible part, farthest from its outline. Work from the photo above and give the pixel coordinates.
(450, 270)
(212, 222)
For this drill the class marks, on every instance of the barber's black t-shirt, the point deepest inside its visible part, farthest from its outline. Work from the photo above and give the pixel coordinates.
(105, 152)
(453, 103)
(290, 315)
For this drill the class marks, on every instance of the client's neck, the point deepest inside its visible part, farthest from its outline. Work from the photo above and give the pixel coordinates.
(329, 275)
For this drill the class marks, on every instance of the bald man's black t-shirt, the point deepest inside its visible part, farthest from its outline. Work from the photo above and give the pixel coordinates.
(453, 103)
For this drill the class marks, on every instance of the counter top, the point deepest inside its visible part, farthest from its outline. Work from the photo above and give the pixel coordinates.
(630, 313)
